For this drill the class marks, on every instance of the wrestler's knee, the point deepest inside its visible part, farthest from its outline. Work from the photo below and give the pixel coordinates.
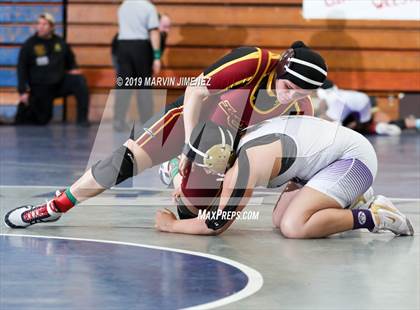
(116, 168)
(143, 160)
(124, 163)
(131, 145)
(292, 228)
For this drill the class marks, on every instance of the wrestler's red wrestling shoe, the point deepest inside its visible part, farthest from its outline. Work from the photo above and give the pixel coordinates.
(25, 216)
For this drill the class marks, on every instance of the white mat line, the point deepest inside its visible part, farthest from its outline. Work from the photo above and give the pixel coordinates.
(255, 279)
(158, 189)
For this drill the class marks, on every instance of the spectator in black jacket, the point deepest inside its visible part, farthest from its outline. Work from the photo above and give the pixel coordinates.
(47, 69)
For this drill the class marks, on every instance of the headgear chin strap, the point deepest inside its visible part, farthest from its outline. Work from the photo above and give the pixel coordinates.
(217, 157)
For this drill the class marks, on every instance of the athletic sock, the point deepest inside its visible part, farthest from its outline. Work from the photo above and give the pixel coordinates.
(362, 219)
(65, 201)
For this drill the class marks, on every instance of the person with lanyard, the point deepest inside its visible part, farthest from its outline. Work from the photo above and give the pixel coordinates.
(138, 55)
(243, 88)
(47, 69)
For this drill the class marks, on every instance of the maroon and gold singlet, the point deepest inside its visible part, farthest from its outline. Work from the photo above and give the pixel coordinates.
(241, 85)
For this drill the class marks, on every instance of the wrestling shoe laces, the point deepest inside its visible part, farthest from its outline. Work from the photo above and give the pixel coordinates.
(42, 213)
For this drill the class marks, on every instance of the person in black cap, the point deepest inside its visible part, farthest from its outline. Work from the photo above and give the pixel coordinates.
(46, 70)
(243, 88)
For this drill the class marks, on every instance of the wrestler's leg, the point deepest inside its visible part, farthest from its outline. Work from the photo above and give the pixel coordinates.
(318, 209)
(283, 202)
(87, 186)
(159, 142)
(161, 139)
(312, 214)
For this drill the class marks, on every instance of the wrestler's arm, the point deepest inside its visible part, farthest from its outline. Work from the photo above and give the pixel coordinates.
(233, 70)
(193, 101)
(234, 197)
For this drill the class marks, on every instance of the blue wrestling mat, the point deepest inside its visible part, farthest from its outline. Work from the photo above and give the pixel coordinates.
(52, 273)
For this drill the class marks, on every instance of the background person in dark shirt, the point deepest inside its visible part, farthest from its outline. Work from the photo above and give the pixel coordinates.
(46, 70)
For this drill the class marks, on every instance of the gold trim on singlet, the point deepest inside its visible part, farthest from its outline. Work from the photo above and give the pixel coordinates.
(289, 107)
(253, 55)
(259, 51)
(162, 126)
(237, 83)
(270, 81)
(272, 76)
(245, 80)
(252, 97)
(274, 55)
(297, 107)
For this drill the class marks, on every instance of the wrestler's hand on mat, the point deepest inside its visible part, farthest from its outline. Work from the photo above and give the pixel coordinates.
(164, 220)
(184, 166)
